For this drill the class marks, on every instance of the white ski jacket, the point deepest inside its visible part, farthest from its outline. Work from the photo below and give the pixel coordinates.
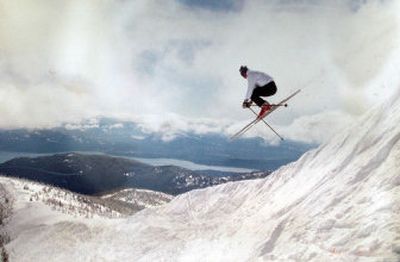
(254, 79)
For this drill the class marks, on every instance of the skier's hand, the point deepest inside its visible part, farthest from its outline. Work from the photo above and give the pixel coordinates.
(246, 103)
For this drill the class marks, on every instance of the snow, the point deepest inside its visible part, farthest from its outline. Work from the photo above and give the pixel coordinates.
(140, 197)
(339, 202)
(129, 174)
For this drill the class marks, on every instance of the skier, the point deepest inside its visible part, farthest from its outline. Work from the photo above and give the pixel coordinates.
(259, 84)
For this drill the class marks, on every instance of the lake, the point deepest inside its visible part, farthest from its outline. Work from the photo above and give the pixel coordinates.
(5, 156)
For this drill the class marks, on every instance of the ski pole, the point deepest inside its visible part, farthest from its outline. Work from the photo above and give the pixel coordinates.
(244, 129)
(276, 133)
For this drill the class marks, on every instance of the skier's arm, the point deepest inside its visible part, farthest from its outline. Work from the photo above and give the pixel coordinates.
(250, 88)
(246, 103)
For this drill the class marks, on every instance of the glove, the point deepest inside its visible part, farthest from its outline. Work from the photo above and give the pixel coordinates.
(247, 103)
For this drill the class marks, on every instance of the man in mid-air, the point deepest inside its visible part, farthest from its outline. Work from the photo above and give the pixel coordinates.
(259, 84)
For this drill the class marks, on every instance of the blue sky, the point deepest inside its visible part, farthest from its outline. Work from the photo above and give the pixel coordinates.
(222, 5)
(236, 5)
(173, 65)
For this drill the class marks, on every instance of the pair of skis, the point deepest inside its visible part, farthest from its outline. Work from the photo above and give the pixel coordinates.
(255, 121)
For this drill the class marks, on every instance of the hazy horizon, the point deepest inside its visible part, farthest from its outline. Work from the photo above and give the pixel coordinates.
(172, 66)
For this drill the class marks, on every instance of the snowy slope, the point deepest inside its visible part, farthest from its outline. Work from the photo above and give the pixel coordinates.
(27, 207)
(27, 193)
(340, 202)
(36, 206)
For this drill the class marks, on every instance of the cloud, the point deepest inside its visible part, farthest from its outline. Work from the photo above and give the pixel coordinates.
(177, 62)
(172, 125)
(317, 127)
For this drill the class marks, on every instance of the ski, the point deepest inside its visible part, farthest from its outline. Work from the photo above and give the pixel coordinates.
(270, 127)
(244, 129)
(255, 121)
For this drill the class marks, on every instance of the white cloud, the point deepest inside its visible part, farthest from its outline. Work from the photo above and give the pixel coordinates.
(177, 67)
(317, 127)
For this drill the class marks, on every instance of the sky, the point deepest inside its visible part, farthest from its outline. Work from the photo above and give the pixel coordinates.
(172, 66)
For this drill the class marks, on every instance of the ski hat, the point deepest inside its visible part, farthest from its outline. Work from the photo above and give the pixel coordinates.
(243, 70)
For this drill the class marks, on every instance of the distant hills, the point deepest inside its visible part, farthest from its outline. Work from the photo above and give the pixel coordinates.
(101, 174)
(128, 139)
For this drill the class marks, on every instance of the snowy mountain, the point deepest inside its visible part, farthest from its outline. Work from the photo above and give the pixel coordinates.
(339, 202)
(25, 203)
(116, 205)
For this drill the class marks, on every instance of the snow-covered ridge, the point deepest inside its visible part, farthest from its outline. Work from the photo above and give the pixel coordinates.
(58, 199)
(116, 205)
(340, 202)
(140, 197)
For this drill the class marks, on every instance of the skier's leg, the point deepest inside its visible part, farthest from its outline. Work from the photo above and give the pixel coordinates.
(256, 96)
(267, 90)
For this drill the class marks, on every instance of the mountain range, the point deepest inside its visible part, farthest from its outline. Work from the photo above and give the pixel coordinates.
(127, 138)
(338, 202)
(100, 174)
